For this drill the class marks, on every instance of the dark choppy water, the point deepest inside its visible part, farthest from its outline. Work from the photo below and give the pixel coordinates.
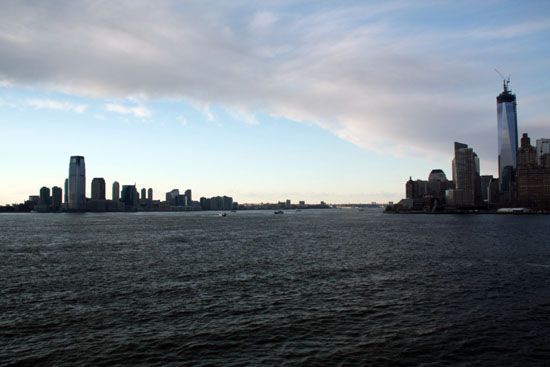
(333, 287)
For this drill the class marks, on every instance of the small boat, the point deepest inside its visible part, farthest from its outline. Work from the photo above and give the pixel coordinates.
(279, 212)
(222, 214)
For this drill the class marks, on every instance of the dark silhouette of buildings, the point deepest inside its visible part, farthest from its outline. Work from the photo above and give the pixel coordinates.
(57, 194)
(98, 188)
(129, 197)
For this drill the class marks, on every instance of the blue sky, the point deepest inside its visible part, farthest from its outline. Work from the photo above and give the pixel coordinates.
(334, 101)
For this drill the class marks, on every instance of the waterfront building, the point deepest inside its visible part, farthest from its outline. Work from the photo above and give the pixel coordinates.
(129, 197)
(533, 179)
(77, 184)
(205, 203)
(66, 196)
(45, 198)
(56, 198)
(438, 184)
(116, 191)
(543, 147)
(143, 193)
(216, 203)
(150, 194)
(467, 191)
(98, 188)
(227, 203)
(416, 189)
(172, 197)
(188, 197)
(507, 138)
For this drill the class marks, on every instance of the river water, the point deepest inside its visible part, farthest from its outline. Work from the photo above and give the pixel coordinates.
(315, 287)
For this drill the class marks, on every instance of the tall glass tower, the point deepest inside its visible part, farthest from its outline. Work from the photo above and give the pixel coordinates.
(507, 137)
(77, 184)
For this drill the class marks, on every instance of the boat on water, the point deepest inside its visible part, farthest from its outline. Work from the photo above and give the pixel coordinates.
(222, 214)
(279, 212)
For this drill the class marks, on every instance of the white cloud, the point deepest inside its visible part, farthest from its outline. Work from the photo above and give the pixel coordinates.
(52, 104)
(137, 111)
(243, 115)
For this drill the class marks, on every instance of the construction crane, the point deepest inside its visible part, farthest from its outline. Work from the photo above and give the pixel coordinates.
(505, 81)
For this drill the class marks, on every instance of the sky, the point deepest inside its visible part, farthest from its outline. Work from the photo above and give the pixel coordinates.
(338, 101)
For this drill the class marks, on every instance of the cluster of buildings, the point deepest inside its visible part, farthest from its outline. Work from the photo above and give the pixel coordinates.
(523, 182)
(72, 198)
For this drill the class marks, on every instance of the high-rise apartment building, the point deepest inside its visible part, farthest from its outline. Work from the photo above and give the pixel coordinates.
(116, 191)
(77, 184)
(56, 198)
(98, 188)
(45, 198)
(507, 138)
(188, 197)
(150, 194)
(143, 193)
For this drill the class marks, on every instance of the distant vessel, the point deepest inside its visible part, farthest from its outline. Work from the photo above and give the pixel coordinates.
(223, 214)
(279, 212)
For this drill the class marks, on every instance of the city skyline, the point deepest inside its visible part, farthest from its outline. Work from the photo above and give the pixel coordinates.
(284, 100)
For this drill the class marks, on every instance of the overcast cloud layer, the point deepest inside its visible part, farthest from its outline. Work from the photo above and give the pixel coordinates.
(399, 77)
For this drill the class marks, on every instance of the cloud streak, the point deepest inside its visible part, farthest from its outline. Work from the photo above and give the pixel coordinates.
(52, 104)
(361, 71)
(137, 111)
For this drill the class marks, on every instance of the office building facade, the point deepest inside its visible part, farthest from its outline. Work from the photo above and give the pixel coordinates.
(77, 184)
(507, 138)
(467, 191)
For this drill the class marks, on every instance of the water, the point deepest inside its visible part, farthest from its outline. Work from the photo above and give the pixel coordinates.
(327, 287)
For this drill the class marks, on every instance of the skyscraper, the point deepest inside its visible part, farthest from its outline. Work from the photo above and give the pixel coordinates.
(467, 192)
(45, 198)
(98, 188)
(188, 197)
(143, 193)
(150, 194)
(116, 191)
(130, 197)
(77, 184)
(507, 137)
(56, 198)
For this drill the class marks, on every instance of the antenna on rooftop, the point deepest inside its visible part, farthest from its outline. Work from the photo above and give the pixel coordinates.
(505, 81)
